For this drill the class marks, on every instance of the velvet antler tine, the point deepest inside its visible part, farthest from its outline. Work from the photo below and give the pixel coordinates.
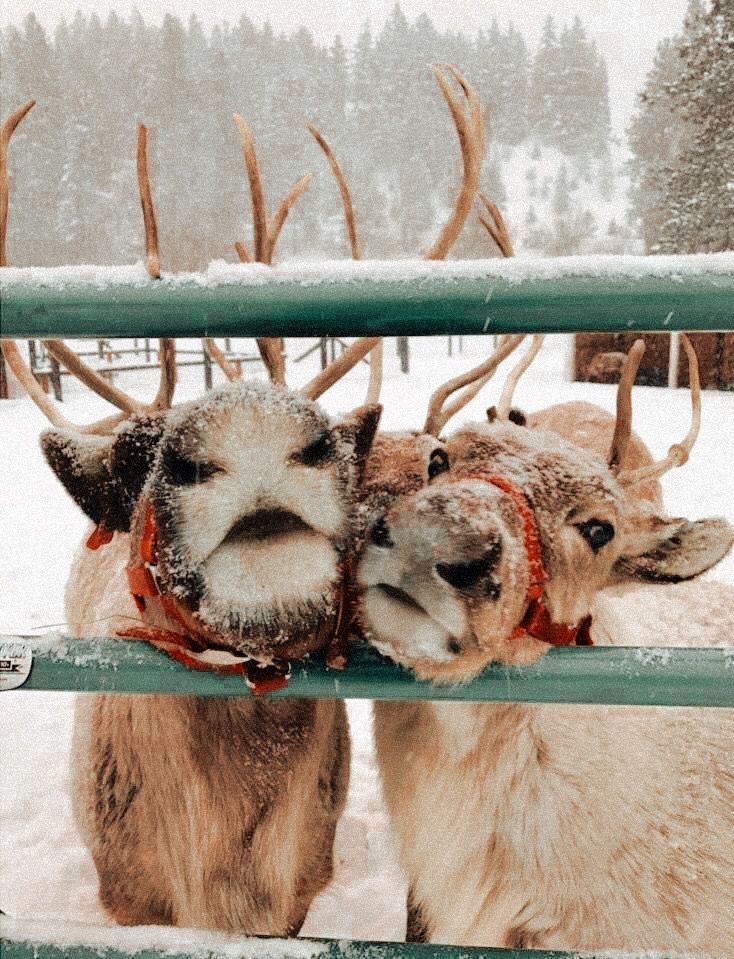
(7, 129)
(342, 365)
(496, 226)
(27, 380)
(678, 453)
(470, 132)
(376, 367)
(217, 355)
(91, 378)
(242, 252)
(152, 254)
(505, 404)
(623, 423)
(167, 385)
(281, 214)
(346, 197)
(271, 352)
(350, 222)
(257, 194)
(437, 417)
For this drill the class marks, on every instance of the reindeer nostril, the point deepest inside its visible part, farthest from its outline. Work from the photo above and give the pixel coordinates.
(454, 646)
(465, 575)
(380, 534)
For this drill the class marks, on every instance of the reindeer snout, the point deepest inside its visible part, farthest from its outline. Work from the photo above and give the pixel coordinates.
(466, 574)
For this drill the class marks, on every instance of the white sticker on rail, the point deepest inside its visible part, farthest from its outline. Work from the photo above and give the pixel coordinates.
(15, 665)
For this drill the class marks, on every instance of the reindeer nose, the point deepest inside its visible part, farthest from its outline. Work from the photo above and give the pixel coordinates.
(467, 574)
(380, 534)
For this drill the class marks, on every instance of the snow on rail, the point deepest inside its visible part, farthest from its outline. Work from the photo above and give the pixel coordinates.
(312, 273)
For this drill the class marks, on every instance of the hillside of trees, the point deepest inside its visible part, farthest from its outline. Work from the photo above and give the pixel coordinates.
(682, 137)
(74, 194)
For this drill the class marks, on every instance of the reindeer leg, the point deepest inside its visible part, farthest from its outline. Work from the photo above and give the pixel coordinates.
(417, 928)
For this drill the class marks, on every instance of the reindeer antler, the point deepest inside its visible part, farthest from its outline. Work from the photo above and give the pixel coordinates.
(66, 356)
(678, 453)
(505, 404)
(377, 355)
(7, 130)
(496, 226)
(437, 416)
(623, 423)
(152, 254)
(469, 123)
(265, 237)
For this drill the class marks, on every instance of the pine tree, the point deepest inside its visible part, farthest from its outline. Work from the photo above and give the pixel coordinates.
(699, 195)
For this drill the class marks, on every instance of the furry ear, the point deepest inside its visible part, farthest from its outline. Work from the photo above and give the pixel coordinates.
(359, 430)
(83, 464)
(663, 550)
(104, 475)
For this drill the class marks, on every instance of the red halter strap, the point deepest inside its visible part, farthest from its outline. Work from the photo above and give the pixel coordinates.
(187, 647)
(537, 621)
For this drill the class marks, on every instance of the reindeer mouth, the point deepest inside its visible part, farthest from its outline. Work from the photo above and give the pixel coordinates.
(400, 596)
(266, 524)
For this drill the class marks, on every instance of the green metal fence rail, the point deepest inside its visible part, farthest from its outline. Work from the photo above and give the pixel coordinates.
(251, 948)
(621, 676)
(676, 293)
(570, 294)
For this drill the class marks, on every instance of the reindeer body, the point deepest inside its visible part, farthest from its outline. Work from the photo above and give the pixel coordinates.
(567, 827)
(209, 812)
(201, 812)
(563, 827)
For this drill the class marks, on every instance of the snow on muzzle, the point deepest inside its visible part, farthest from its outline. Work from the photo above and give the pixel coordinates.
(439, 574)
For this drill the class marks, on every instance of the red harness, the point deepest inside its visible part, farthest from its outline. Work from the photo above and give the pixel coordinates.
(191, 649)
(537, 621)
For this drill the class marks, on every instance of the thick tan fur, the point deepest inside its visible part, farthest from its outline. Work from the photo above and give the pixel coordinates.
(214, 813)
(209, 812)
(556, 827)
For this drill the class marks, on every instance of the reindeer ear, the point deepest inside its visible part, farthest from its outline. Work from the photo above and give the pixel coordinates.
(359, 430)
(105, 475)
(83, 464)
(663, 550)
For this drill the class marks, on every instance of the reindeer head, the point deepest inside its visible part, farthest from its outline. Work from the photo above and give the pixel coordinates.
(251, 491)
(503, 550)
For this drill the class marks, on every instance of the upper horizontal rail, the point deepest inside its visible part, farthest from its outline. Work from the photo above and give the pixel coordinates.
(601, 674)
(390, 298)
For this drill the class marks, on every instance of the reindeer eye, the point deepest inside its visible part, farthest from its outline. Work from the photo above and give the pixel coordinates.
(438, 462)
(185, 472)
(596, 532)
(321, 450)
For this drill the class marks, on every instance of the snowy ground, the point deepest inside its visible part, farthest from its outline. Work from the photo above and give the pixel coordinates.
(45, 873)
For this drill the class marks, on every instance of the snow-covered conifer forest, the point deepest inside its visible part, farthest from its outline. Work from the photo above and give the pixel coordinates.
(551, 159)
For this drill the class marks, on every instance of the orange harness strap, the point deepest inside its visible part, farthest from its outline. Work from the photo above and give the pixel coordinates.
(537, 621)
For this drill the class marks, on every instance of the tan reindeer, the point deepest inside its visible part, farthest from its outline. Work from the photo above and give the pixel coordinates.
(216, 813)
(545, 826)
(207, 812)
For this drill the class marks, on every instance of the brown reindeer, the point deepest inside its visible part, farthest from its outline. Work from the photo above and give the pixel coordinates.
(217, 813)
(552, 827)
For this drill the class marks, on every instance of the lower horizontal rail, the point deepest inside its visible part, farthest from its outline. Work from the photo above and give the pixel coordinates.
(230, 947)
(602, 674)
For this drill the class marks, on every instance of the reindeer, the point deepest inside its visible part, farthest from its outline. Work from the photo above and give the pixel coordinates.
(223, 533)
(544, 826)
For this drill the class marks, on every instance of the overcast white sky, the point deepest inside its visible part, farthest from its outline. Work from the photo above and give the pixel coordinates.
(627, 31)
